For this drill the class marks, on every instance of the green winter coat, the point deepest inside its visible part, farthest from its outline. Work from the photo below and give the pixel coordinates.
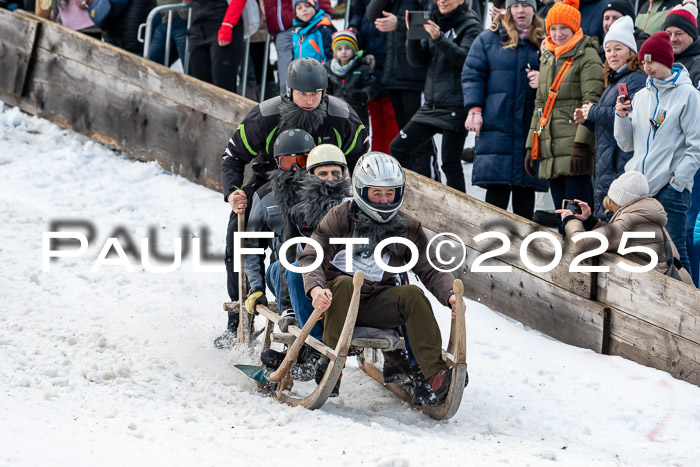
(583, 83)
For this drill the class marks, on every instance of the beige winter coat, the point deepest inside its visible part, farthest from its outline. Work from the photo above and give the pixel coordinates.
(644, 215)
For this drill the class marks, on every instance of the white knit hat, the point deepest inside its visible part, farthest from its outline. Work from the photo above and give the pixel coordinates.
(622, 31)
(628, 187)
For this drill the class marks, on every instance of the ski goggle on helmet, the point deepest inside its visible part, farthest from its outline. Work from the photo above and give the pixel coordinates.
(292, 148)
(378, 170)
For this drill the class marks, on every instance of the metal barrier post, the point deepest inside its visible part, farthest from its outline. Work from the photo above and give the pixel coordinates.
(266, 64)
(166, 59)
(186, 61)
(348, 7)
(246, 59)
(148, 26)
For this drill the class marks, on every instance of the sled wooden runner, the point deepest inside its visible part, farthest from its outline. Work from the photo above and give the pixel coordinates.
(455, 357)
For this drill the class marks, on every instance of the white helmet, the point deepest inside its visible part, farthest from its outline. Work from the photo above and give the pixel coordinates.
(378, 170)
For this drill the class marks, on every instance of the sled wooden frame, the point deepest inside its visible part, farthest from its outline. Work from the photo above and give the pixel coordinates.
(455, 357)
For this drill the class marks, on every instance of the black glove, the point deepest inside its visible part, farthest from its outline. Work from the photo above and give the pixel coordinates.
(577, 161)
(530, 163)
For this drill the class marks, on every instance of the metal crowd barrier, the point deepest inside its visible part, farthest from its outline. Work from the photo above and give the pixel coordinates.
(148, 26)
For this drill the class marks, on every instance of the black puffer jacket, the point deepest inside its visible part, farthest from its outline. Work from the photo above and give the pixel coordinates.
(356, 87)
(690, 58)
(444, 57)
(398, 73)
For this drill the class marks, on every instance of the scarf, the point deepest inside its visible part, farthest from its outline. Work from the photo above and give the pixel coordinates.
(294, 117)
(559, 50)
(447, 21)
(342, 70)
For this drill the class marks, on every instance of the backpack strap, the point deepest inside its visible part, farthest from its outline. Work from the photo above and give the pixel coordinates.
(553, 92)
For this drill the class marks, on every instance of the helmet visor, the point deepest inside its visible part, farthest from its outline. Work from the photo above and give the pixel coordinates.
(287, 162)
(385, 207)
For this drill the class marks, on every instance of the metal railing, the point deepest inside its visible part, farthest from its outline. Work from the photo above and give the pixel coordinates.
(148, 26)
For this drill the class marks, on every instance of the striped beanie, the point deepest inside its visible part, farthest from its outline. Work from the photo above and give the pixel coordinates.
(684, 17)
(347, 38)
(566, 13)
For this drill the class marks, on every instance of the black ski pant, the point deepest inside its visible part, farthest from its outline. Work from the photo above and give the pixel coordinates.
(414, 134)
(523, 198)
(406, 104)
(218, 65)
(406, 304)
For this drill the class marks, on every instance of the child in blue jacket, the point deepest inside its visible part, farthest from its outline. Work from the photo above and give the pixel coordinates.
(313, 31)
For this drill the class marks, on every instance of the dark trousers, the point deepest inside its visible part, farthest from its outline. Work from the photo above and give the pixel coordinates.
(406, 104)
(218, 65)
(676, 205)
(571, 187)
(414, 134)
(523, 198)
(389, 309)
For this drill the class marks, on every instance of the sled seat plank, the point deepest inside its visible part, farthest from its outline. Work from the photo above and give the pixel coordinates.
(362, 342)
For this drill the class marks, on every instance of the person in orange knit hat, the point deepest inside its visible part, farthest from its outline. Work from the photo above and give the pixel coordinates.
(570, 66)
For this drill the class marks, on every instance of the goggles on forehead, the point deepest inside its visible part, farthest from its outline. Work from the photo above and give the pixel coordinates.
(288, 161)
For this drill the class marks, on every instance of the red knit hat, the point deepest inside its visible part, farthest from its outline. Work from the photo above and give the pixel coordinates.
(684, 17)
(657, 49)
(566, 13)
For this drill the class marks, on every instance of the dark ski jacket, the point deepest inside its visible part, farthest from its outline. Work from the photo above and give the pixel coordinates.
(690, 59)
(357, 86)
(494, 79)
(398, 73)
(256, 134)
(122, 30)
(610, 159)
(444, 58)
(371, 40)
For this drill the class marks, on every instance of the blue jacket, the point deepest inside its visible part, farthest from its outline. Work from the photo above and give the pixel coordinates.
(495, 79)
(313, 39)
(610, 159)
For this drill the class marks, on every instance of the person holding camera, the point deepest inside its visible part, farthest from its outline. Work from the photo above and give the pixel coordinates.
(451, 30)
(661, 127)
(623, 76)
(633, 211)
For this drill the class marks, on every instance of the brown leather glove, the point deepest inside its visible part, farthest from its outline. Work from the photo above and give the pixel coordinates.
(530, 164)
(577, 162)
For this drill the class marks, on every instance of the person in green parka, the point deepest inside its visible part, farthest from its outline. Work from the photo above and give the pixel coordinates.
(566, 150)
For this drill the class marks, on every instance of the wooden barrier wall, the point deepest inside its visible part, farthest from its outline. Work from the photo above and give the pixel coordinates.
(153, 113)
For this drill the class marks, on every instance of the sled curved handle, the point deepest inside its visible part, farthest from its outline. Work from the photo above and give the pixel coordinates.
(457, 345)
(294, 350)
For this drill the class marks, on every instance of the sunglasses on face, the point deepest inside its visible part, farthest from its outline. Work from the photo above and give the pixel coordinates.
(289, 161)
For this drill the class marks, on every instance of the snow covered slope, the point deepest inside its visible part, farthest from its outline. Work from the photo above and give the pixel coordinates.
(112, 367)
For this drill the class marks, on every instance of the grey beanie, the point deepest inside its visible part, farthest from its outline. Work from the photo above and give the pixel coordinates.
(628, 187)
(532, 3)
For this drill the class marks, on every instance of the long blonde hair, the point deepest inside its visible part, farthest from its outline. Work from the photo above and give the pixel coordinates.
(535, 33)
(632, 65)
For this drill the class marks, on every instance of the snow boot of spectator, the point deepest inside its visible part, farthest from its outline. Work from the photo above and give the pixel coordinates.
(321, 367)
(423, 393)
(396, 367)
(228, 338)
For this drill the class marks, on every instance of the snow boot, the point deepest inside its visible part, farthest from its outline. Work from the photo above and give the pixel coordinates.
(396, 368)
(305, 368)
(440, 382)
(228, 338)
(321, 367)
(423, 393)
(272, 358)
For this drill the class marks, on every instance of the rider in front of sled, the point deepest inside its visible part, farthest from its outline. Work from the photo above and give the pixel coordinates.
(378, 188)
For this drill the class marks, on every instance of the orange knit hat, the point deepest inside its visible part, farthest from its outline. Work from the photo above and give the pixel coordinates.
(566, 13)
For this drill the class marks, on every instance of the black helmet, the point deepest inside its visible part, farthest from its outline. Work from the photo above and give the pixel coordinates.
(290, 142)
(306, 75)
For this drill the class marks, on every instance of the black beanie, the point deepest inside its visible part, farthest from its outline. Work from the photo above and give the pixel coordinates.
(623, 6)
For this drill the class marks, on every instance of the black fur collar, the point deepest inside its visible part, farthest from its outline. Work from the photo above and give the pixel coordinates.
(377, 231)
(319, 196)
(292, 116)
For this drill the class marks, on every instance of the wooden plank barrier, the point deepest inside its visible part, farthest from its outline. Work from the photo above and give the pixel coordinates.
(152, 113)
